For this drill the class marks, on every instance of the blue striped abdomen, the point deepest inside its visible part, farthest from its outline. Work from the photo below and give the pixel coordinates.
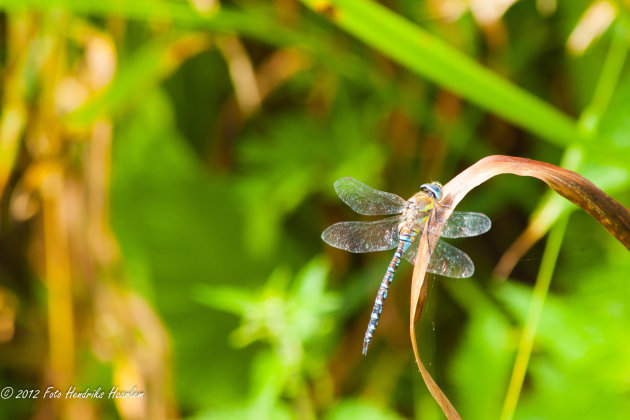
(406, 237)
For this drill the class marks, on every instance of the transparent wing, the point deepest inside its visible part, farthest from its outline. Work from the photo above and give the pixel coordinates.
(463, 224)
(366, 200)
(446, 260)
(363, 236)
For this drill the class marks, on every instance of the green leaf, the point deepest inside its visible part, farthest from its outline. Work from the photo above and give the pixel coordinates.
(430, 57)
(180, 13)
(357, 409)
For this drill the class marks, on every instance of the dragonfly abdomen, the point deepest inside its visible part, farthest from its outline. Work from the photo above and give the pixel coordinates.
(406, 237)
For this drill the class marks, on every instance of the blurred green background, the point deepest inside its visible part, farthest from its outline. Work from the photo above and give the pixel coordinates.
(167, 168)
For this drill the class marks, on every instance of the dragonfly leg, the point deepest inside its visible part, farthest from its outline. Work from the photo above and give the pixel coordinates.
(445, 207)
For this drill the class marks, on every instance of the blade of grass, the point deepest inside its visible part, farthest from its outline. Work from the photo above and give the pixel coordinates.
(572, 186)
(14, 114)
(258, 23)
(434, 59)
(609, 76)
(427, 243)
(552, 206)
(255, 22)
(607, 211)
(589, 122)
(550, 255)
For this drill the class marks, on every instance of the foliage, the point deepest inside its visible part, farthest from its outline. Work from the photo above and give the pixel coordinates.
(167, 169)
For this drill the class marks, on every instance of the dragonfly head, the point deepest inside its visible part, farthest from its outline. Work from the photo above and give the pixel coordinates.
(434, 188)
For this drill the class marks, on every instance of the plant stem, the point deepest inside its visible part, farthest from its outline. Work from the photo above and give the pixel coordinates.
(572, 158)
(609, 76)
(533, 317)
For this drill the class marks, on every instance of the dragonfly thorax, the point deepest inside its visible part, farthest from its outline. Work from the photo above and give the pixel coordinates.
(416, 210)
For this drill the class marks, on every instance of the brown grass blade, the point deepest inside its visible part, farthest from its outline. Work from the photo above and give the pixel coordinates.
(580, 191)
(427, 243)
(572, 186)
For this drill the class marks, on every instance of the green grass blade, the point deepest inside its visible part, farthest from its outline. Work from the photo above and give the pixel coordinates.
(434, 59)
(541, 288)
(253, 23)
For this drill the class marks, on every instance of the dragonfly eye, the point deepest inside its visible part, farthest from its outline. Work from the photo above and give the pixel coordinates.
(434, 188)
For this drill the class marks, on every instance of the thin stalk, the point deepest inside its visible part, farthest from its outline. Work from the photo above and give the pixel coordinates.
(610, 74)
(572, 159)
(541, 289)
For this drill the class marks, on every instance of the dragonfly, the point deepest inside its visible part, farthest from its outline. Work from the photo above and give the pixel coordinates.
(400, 232)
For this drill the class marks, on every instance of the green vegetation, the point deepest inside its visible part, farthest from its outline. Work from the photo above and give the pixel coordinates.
(167, 168)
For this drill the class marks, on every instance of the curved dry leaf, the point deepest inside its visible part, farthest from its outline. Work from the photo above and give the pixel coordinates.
(572, 186)
(428, 240)
(580, 191)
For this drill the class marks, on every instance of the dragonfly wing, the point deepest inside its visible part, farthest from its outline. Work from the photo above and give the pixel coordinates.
(449, 261)
(412, 250)
(361, 237)
(366, 200)
(446, 260)
(463, 224)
